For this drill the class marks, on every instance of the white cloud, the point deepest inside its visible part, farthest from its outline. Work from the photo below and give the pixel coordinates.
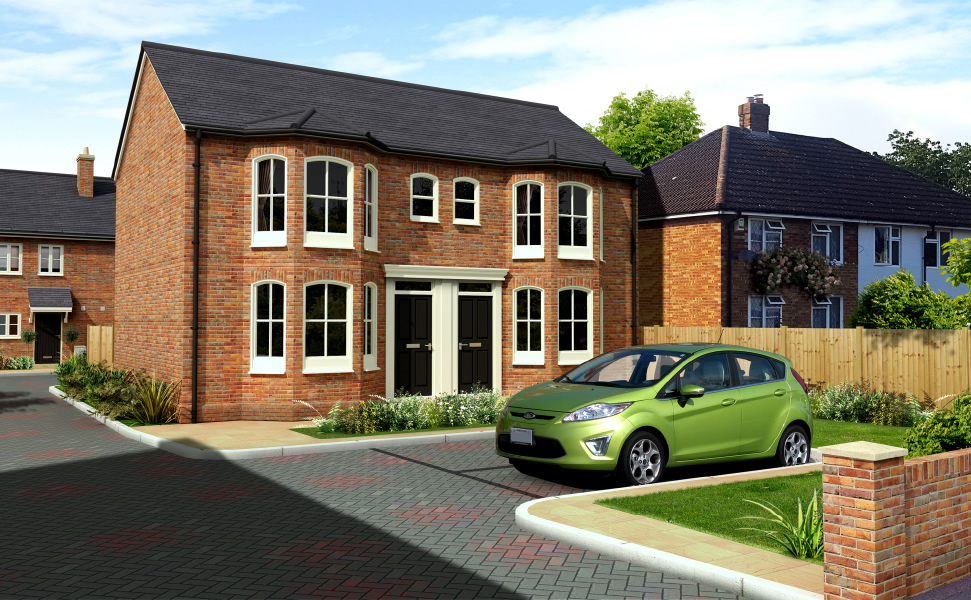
(371, 63)
(30, 69)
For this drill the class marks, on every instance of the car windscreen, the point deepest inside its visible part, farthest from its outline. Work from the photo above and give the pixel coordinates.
(632, 368)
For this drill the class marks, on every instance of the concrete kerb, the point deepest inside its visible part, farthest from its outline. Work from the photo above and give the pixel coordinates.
(343, 446)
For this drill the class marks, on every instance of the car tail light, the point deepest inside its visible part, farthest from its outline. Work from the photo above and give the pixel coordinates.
(801, 382)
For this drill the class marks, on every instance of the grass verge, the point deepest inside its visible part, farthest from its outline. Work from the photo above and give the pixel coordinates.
(315, 433)
(827, 433)
(714, 509)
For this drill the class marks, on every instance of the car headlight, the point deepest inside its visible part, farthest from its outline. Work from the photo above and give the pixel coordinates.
(596, 411)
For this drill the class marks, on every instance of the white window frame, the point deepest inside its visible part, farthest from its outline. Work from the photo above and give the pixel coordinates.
(767, 226)
(370, 326)
(40, 260)
(20, 259)
(5, 331)
(890, 242)
(529, 357)
(939, 260)
(600, 222)
(370, 200)
(575, 252)
(323, 239)
(826, 304)
(434, 198)
(769, 300)
(329, 364)
(825, 230)
(575, 357)
(268, 239)
(267, 365)
(475, 201)
(530, 251)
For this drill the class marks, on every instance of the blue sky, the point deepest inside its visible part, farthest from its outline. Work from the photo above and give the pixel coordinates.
(849, 70)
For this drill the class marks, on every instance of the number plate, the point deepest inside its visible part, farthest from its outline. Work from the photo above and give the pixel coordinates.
(518, 435)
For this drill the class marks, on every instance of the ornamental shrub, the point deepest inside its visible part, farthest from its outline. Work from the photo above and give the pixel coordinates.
(799, 267)
(859, 402)
(897, 302)
(943, 431)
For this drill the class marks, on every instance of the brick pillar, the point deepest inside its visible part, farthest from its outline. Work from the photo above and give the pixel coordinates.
(864, 522)
(86, 174)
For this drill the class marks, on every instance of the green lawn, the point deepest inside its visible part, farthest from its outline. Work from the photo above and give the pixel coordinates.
(315, 433)
(828, 433)
(715, 509)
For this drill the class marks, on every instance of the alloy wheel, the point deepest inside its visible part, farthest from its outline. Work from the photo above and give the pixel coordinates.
(645, 461)
(796, 449)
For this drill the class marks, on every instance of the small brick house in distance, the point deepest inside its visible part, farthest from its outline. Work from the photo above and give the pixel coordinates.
(708, 209)
(57, 269)
(357, 236)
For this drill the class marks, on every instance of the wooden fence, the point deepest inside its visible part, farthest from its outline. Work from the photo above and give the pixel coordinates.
(101, 344)
(928, 363)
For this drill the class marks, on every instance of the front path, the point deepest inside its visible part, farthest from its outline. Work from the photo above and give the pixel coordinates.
(86, 513)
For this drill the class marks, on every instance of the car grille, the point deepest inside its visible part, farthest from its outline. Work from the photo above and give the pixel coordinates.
(522, 415)
(541, 448)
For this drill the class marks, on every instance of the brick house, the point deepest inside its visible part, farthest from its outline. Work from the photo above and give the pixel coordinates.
(707, 210)
(357, 236)
(57, 267)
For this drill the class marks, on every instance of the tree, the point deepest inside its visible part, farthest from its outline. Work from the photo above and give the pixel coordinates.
(897, 302)
(647, 127)
(944, 165)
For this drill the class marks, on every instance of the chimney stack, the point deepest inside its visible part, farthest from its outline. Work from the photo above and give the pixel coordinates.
(86, 174)
(754, 114)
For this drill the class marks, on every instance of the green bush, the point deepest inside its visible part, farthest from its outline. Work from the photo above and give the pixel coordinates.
(116, 393)
(898, 302)
(802, 538)
(19, 363)
(859, 402)
(155, 401)
(943, 430)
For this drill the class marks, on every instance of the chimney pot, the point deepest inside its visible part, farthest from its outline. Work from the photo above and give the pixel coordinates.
(85, 174)
(754, 114)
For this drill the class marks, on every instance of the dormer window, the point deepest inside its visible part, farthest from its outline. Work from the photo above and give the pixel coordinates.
(269, 203)
(424, 198)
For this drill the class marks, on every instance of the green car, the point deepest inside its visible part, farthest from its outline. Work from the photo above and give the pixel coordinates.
(637, 410)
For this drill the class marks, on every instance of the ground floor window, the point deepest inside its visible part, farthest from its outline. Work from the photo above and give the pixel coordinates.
(370, 310)
(9, 325)
(269, 327)
(528, 306)
(327, 331)
(575, 310)
(765, 311)
(828, 312)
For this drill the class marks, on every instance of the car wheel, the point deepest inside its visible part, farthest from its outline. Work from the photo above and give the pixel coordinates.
(641, 460)
(793, 447)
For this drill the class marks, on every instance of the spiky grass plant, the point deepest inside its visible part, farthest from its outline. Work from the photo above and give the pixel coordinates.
(155, 400)
(802, 539)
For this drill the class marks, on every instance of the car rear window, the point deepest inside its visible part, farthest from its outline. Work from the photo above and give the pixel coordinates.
(753, 368)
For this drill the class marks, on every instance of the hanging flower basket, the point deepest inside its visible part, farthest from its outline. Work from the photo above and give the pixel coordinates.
(798, 267)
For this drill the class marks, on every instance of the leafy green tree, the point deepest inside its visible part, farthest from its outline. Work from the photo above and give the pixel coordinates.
(897, 302)
(944, 165)
(648, 127)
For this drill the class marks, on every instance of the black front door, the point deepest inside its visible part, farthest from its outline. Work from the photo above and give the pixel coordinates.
(413, 344)
(47, 347)
(475, 342)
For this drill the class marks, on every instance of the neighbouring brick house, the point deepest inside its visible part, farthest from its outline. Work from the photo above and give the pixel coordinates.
(707, 210)
(358, 236)
(57, 234)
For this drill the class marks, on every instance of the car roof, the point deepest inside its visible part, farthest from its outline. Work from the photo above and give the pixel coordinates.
(696, 347)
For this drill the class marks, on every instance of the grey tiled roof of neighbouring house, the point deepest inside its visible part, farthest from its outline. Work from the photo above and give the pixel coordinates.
(49, 297)
(798, 175)
(49, 204)
(244, 95)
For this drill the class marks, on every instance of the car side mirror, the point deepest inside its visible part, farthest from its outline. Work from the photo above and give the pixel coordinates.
(689, 391)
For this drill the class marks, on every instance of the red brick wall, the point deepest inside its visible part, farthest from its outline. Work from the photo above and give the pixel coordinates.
(88, 270)
(86, 177)
(156, 182)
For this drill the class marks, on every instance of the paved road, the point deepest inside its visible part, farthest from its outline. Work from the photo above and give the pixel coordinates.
(86, 513)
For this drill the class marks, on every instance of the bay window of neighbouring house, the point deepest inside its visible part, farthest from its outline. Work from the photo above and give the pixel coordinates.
(329, 222)
(828, 312)
(327, 328)
(575, 207)
(934, 253)
(528, 220)
(765, 311)
(370, 208)
(370, 311)
(268, 328)
(10, 325)
(50, 260)
(466, 201)
(827, 241)
(528, 306)
(886, 245)
(424, 198)
(575, 326)
(10, 259)
(765, 235)
(269, 201)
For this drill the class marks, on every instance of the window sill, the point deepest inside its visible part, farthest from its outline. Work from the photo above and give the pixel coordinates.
(11, 272)
(525, 362)
(424, 219)
(568, 256)
(268, 245)
(466, 222)
(266, 372)
(50, 274)
(268, 239)
(9, 337)
(326, 371)
(319, 239)
(370, 369)
(528, 255)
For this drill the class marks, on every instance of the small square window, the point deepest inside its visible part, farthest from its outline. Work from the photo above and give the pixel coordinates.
(424, 198)
(50, 260)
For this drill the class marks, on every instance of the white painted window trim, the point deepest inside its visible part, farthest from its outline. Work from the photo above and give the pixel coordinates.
(323, 239)
(268, 239)
(575, 357)
(370, 325)
(533, 251)
(50, 259)
(575, 252)
(828, 307)
(533, 357)
(765, 304)
(20, 259)
(434, 198)
(6, 327)
(765, 229)
(828, 224)
(938, 252)
(600, 338)
(371, 197)
(600, 225)
(267, 365)
(475, 201)
(890, 240)
(328, 364)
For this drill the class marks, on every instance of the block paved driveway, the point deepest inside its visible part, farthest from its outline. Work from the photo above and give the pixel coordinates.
(86, 513)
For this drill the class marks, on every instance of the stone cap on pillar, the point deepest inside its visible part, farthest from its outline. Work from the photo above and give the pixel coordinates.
(866, 451)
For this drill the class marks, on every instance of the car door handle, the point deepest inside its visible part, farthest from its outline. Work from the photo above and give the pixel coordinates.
(780, 392)
(728, 402)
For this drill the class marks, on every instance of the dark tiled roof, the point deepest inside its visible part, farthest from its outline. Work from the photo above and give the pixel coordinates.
(48, 203)
(53, 297)
(222, 91)
(798, 175)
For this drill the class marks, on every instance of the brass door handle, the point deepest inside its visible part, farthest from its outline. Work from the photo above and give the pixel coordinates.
(461, 344)
(429, 346)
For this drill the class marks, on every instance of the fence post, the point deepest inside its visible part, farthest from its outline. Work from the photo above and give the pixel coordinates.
(782, 341)
(859, 354)
(657, 335)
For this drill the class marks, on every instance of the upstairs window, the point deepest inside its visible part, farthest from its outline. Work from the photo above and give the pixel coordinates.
(765, 235)
(370, 208)
(934, 253)
(269, 328)
(575, 326)
(575, 206)
(269, 206)
(528, 224)
(466, 201)
(886, 245)
(10, 325)
(50, 260)
(424, 198)
(370, 310)
(765, 311)
(828, 312)
(10, 259)
(327, 331)
(328, 203)
(528, 303)
(828, 241)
